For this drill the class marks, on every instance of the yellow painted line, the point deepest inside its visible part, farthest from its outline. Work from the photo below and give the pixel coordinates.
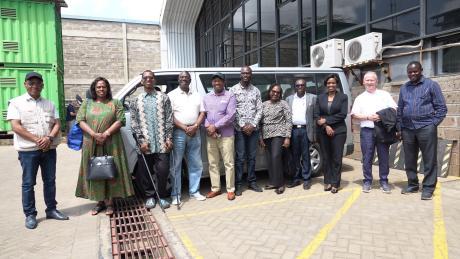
(310, 249)
(440, 249)
(453, 177)
(189, 245)
(251, 205)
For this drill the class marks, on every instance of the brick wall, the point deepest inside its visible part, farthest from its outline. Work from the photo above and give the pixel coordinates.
(115, 50)
(449, 128)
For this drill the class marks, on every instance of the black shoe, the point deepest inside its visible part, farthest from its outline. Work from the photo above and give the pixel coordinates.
(408, 190)
(269, 187)
(255, 187)
(306, 185)
(294, 184)
(280, 190)
(238, 191)
(57, 215)
(427, 196)
(31, 222)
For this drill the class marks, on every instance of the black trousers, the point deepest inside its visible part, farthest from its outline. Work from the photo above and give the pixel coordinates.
(277, 158)
(426, 140)
(159, 167)
(332, 151)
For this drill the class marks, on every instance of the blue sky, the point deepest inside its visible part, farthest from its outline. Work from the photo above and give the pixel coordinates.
(142, 10)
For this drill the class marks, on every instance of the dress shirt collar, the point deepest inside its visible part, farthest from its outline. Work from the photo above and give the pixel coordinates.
(301, 98)
(421, 81)
(30, 98)
(221, 94)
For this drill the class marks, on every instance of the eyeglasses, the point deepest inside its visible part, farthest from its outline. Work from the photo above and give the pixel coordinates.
(299, 85)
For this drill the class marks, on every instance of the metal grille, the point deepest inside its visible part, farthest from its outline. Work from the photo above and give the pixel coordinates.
(8, 82)
(8, 13)
(135, 233)
(11, 46)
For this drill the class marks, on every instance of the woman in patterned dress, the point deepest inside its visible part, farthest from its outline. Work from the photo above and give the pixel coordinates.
(101, 118)
(276, 125)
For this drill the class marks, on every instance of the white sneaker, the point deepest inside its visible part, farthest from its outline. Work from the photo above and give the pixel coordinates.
(197, 196)
(175, 200)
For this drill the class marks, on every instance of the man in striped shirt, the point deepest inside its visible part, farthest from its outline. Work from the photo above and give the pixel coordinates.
(421, 108)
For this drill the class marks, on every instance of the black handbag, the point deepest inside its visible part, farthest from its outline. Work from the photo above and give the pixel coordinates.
(101, 167)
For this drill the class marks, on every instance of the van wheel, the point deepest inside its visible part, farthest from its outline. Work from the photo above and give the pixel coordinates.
(315, 160)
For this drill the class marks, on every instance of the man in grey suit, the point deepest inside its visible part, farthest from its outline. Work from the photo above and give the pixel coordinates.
(303, 132)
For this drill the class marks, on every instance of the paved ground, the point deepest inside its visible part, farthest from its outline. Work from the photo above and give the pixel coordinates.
(298, 223)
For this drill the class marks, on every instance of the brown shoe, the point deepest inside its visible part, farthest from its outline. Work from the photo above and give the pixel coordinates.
(213, 194)
(230, 196)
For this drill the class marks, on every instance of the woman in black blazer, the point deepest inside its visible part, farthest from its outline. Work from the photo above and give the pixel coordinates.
(330, 113)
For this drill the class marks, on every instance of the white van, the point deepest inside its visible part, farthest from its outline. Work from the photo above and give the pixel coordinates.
(262, 78)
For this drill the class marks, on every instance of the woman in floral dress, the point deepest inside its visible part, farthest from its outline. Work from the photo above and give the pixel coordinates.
(101, 118)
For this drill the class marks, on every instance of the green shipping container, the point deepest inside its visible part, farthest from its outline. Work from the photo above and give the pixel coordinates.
(12, 85)
(30, 33)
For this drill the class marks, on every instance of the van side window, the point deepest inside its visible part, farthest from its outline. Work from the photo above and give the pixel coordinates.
(287, 82)
(167, 83)
(320, 82)
(230, 80)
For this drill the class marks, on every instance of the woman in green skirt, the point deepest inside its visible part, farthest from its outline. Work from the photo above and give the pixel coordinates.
(101, 118)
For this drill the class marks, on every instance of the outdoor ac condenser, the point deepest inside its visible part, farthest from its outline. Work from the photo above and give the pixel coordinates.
(327, 54)
(363, 49)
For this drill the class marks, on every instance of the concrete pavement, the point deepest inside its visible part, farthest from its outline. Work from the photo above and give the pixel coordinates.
(298, 223)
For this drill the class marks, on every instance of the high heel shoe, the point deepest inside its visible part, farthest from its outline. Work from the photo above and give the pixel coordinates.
(280, 190)
(334, 190)
(327, 187)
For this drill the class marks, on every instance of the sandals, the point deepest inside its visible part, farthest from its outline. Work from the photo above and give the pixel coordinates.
(109, 210)
(100, 206)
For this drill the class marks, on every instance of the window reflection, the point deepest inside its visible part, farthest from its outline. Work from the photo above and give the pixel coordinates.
(251, 37)
(306, 43)
(250, 12)
(321, 19)
(268, 21)
(288, 52)
(288, 18)
(381, 8)
(442, 15)
(306, 13)
(268, 56)
(399, 28)
(347, 13)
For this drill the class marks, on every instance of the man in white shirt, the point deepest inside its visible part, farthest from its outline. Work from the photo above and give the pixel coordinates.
(365, 110)
(303, 132)
(188, 115)
(35, 123)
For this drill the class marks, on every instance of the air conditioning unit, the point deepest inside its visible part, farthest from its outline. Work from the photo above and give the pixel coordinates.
(363, 49)
(327, 54)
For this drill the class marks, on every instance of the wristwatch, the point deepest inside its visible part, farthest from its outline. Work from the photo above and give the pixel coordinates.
(51, 138)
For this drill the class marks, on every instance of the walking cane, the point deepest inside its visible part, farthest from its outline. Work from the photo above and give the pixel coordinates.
(175, 180)
(150, 175)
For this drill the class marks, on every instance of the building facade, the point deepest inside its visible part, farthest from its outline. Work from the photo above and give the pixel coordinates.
(116, 50)
(281, 32)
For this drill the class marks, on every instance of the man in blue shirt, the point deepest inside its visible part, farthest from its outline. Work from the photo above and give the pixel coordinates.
(421, 108)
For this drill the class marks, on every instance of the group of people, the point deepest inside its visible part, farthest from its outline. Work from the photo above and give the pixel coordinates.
(167, 130)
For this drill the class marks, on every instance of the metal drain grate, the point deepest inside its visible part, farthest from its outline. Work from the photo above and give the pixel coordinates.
(135, 233)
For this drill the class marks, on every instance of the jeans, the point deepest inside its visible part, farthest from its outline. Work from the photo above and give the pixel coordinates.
(426, 140)
(245, 150)
(30, 161)
(368, 145)
(300, 147)
(191, 148)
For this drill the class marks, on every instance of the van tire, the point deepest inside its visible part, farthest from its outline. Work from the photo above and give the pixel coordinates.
(316, 161)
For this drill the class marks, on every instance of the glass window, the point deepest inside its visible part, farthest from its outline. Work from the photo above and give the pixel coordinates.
(225, 7)
(238, 32)
(288, 18)
(351, 34)
(236, 3)
(287, 82)
(263, 82)
(347, 13)
(226, 28)
(268, 21)
(306, 44)
(228, 51)
(450, 60)
(442, 15)
(288, 52)
(382, 8)
(251, 37)
(306, 13)
(268, 56)
(251, 58)
(217, 34)
(250, 12)
(239, 62)
(399, 28)
(321, 19)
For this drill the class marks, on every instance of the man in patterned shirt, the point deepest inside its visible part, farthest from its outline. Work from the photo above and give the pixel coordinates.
(152, 123)
(421, 108)
(248, 115)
